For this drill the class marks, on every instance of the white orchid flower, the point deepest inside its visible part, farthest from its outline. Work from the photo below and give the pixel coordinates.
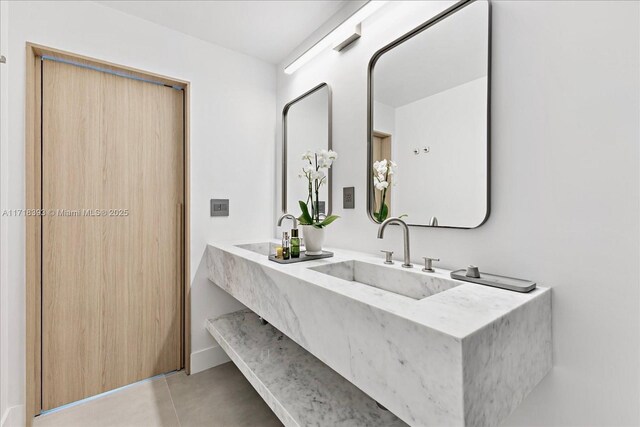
(324, 162)
(383, 170)
(317, 174)
(392, 167)
(381, 166)
(307, 156)
(332, 155)
(381, 185)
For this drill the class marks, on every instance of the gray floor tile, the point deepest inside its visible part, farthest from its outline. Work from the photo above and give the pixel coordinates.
(140, 405)
(219, 397)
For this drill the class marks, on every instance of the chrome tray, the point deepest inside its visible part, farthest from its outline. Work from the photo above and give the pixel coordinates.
(502, 282)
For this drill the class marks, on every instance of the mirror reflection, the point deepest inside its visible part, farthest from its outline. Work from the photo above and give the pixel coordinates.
(307, 127)
(428, 142)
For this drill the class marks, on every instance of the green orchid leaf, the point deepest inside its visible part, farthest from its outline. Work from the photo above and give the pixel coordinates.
(383, 213)
(328, 220)
(302, 221)
(305, 218)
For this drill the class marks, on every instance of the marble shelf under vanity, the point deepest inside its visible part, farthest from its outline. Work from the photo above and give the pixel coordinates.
(445, 353)
(299, 388)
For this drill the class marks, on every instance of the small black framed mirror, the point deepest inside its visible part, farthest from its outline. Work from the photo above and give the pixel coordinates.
(306, 125)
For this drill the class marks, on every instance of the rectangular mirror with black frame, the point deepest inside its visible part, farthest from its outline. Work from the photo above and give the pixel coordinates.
(306, 125)
(428, 122)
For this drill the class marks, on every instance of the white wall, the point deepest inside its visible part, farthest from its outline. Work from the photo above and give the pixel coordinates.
(565, 185)
(232, 142)
(448, 182)
(384, 118)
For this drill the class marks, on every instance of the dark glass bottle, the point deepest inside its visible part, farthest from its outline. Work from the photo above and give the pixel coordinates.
(295, 244)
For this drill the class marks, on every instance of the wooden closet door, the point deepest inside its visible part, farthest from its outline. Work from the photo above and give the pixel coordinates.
(111, 293)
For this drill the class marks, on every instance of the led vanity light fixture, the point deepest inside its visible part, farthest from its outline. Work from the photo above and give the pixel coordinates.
(342, 36)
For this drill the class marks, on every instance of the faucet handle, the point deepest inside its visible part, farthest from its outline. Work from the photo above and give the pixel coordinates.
(387, 257)
(428, 263)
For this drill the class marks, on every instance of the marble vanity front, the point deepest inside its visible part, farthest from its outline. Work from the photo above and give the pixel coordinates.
(433, 350)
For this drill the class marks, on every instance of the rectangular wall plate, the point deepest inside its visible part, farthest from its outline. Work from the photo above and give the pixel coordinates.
(321, 206)
(348, 198)
(219, 207)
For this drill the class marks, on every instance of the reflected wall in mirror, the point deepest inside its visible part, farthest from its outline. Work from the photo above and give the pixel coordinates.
(429, 114)
(306, 126)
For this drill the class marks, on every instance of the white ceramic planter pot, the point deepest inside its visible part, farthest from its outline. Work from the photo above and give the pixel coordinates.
(313, 239)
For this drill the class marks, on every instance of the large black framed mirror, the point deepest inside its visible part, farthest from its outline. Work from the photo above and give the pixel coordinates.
(428, 122)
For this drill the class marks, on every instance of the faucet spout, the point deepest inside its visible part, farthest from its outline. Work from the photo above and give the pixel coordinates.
(293, 218)
(405, 233)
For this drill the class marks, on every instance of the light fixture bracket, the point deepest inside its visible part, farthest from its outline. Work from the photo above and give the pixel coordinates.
(349, 39)
(352, 21)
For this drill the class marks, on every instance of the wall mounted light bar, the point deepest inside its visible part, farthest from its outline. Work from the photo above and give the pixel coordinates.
(349, 24)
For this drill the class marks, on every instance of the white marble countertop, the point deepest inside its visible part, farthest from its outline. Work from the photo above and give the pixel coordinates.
(466, 354)
(458, 312)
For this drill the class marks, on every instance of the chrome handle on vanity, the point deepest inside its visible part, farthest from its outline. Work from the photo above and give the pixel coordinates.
(388, 257)
(428, 263)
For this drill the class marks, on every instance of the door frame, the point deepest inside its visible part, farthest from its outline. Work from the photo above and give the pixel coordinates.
(33, 237)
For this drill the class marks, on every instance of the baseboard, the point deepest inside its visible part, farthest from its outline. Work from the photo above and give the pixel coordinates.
(208, 358)
(13, 417)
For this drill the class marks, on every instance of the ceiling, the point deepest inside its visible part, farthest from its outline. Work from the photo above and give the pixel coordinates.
(268, 30)
(450, 53)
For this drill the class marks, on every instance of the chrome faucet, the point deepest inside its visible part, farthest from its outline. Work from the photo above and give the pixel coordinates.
(293, 218)
(405, 232)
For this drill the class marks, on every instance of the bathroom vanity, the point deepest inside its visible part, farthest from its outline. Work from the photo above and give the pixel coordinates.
(347, 331)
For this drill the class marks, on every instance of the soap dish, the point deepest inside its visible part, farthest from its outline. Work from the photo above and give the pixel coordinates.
(502, 282)
(303, 257)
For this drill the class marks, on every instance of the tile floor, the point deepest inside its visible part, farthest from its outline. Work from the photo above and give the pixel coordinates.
(217, 397)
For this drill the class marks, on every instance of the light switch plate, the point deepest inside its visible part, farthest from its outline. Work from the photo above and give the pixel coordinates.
(321, 206)
(348, 198)
(219, 207)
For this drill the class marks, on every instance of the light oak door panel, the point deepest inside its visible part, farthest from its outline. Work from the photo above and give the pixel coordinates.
(111, 294)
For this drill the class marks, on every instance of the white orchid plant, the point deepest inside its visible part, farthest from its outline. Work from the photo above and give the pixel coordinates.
(315, 170)
(383, 171)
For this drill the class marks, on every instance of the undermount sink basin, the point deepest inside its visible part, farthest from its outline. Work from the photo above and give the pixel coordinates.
(412, 283)
(261, 248)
